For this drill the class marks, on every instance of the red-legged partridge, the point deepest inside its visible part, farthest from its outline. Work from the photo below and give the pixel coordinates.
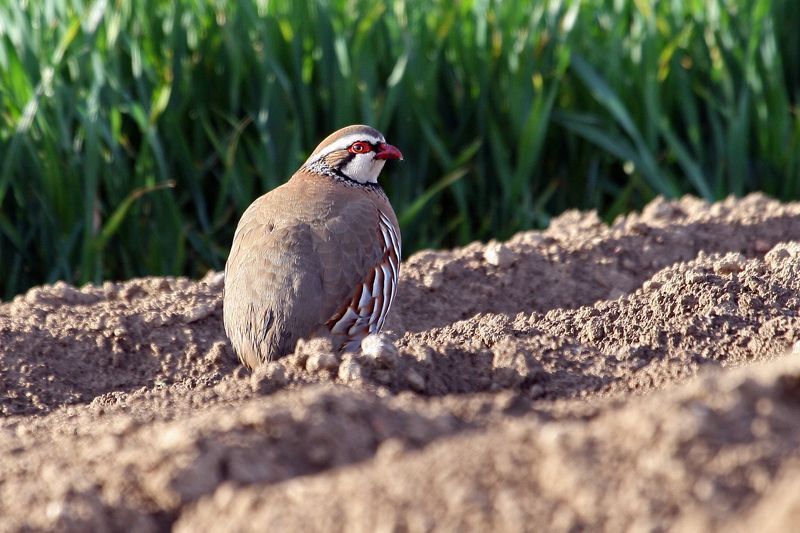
(318, 255)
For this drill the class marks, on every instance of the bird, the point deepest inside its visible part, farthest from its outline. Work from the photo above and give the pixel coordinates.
(318, 255)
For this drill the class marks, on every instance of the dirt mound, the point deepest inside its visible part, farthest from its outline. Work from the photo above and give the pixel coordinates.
(548, 382)
(700, 464)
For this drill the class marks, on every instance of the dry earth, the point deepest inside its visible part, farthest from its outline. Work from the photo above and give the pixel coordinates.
(633, 377)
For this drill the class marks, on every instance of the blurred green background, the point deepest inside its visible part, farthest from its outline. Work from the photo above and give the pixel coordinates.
(134, 133)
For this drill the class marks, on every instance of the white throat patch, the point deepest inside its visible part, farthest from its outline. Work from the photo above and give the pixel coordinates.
(364, 168)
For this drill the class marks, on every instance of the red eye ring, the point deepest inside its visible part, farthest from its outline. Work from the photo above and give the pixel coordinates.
(359, 147)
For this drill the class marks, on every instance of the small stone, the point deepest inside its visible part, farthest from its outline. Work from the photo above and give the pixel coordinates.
(350, 371)
(214, 280)
(61, 290)
(181, 284)
(225, 494)
(703, 489)
(781, 253)
(266, 378)
(275, 372)
(379, 348)
(433, 279)
(321, 361)
(173, 437)
(34, 296)
(595, 331)
(422, 353)
(730, 264)
(110, 290)
(651, 285)
(498, 254)
(217, 354)
(306, 348)
(71, 295)
(54, 509)
(131, 291)
(695, 276)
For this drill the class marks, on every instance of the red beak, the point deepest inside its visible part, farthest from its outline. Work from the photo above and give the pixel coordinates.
(387, 151)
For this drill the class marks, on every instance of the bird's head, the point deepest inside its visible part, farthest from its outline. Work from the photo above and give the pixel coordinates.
(356, 152)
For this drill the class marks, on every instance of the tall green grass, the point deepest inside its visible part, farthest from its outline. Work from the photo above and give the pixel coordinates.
(133, 133)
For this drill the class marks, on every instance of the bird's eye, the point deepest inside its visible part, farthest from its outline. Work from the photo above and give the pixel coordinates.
(360, 147)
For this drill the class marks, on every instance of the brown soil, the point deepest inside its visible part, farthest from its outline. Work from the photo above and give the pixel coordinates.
(642, 376)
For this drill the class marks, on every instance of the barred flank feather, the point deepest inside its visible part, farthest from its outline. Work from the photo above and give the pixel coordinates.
(366, 311)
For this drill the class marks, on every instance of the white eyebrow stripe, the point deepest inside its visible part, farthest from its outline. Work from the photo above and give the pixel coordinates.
(344, 143)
